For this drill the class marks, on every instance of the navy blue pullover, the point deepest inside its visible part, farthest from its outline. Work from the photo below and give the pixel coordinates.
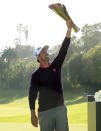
(47, 81)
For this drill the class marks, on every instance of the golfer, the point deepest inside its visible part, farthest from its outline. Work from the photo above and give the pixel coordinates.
(47, 85)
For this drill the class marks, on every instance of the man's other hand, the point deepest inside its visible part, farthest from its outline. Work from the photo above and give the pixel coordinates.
(34, 120)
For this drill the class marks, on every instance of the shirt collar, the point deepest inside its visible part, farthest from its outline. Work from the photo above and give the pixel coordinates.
(44, 66)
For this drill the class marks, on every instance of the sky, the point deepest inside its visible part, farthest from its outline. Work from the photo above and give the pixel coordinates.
(44, 26)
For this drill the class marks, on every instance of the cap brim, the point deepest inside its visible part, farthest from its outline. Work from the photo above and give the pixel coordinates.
(45, 48)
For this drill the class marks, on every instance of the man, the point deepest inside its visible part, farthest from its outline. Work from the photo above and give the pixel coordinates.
(46, 80)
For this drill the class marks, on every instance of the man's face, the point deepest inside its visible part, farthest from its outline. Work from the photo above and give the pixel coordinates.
(43, 56)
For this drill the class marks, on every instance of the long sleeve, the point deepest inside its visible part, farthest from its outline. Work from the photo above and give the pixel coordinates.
(58, 61)
(33, 91)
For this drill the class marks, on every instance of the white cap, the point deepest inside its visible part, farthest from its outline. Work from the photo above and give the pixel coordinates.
(37, 51)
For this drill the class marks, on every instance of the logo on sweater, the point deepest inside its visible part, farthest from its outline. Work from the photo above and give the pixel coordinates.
(54, 69)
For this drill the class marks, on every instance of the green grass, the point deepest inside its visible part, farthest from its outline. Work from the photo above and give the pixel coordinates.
(15, 112)
(77, 114)
(10, 95)
(16, 108)
(29, 127)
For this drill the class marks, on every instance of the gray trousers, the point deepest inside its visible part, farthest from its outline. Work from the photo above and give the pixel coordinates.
(54, 119)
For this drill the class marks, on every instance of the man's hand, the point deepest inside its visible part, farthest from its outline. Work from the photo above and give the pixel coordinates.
(69, 25)
(34, 120)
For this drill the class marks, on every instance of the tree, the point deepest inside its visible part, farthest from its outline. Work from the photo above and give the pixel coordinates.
(92, 68)
(9, 55)
(74, 69)
(24, 51)
(91, 36)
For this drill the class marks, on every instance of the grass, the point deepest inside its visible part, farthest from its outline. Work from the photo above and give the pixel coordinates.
(14, 110)
(10, 95)
(29, 127)
(77, 114)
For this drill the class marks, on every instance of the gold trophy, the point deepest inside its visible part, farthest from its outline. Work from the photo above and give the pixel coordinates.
(60, 9)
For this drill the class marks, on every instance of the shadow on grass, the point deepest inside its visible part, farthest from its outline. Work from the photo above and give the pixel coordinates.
(75, 97)
(71, 97)
(78, 101)
(7, 96)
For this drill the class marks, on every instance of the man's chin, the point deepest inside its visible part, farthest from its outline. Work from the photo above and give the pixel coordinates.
(48, 59)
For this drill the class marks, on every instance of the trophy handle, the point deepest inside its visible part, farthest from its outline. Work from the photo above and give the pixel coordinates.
(60, 9)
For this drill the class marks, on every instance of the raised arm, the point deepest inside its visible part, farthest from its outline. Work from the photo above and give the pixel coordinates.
(58, 61)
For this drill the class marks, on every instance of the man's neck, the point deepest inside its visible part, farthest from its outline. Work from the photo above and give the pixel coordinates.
(44, 64)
